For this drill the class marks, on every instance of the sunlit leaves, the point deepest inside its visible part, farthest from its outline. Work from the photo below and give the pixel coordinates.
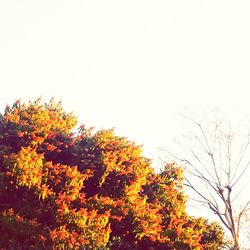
(60, 190)
(26, 166)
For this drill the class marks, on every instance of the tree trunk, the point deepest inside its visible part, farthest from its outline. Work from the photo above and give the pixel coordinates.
(236, 244)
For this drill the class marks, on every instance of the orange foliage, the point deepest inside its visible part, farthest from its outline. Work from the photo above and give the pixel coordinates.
(60, 190)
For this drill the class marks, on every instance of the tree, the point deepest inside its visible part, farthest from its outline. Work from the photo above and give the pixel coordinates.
(85, 190)
(216, 159)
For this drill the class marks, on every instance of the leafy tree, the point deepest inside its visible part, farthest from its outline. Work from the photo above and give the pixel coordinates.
(85, 190)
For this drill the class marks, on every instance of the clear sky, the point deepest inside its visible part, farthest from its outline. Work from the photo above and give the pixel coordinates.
(127, 64)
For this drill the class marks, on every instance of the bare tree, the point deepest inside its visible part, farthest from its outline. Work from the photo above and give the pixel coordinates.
(217, 170)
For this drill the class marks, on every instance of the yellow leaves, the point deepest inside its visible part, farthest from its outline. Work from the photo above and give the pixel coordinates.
(37, 118)
(91, 227)
(13, 118)
(147, 221)
(81, 223)
(61, 173)
(27, 167)
(44, 192)
(121, 157)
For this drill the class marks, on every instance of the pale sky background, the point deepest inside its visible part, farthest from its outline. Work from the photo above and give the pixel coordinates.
(127, 64)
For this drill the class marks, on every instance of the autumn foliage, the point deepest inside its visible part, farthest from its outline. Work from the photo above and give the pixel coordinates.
(62, 189)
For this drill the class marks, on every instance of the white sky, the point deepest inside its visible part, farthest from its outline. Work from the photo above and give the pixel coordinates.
(127, 64)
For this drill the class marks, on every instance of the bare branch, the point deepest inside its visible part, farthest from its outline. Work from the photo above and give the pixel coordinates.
(212, 206)
(219, 176)
(241, 174)
(241, 156)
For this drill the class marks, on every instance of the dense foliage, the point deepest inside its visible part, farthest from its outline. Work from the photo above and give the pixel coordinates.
(85, 190)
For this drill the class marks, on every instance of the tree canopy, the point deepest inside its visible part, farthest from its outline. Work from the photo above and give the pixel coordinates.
(61, 189)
